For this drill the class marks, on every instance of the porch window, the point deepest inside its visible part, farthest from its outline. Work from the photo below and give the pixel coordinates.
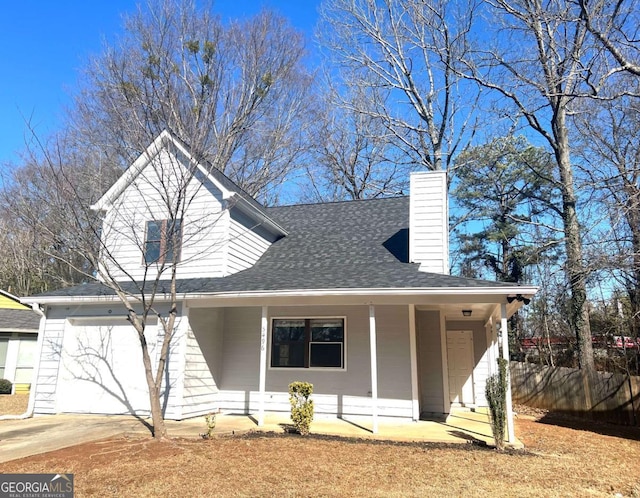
(307, 343)
(163, 240)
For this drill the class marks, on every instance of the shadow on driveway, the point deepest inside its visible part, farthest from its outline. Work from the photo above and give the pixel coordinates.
(32, 436)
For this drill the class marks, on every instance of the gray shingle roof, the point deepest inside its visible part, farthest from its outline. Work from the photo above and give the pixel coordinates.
(343, 245)
(13, 320)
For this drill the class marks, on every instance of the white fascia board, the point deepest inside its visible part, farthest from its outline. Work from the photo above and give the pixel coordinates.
(229, 195)
(254, 213)
(132, 172)
(409, 291)
(40, 300)
(142, 161)
(226, 193)
(9, 295)
(498, 292)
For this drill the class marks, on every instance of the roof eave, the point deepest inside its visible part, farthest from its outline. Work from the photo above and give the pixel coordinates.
(255, 213)
(502, 292)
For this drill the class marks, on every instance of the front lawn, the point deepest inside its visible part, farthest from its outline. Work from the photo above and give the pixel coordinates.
(561, 459)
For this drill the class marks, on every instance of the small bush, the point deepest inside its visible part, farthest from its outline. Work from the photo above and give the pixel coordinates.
(5, 386)
(210, 420)
(496, 392)
(301, 406)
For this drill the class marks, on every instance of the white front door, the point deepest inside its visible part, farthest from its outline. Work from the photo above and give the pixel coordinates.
(460, 364)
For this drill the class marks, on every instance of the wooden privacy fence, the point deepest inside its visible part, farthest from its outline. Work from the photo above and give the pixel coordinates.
(601, 396)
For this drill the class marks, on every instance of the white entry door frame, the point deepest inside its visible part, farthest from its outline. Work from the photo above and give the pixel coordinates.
(460, 367)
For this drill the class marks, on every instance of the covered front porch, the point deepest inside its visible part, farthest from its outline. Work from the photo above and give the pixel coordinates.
(395, 371)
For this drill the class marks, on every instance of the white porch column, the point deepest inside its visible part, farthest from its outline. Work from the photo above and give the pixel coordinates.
(495, 348)
(446, 401)
(263, 365)
(489, 329)
(413, 352)
(511, 436)
(374, 368)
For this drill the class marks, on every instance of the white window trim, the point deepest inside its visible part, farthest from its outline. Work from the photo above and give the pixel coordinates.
(310, 369)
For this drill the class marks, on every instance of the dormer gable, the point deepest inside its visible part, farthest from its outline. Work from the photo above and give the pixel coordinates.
(167, 198)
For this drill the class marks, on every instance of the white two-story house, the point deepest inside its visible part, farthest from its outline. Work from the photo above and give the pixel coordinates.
(354, 297)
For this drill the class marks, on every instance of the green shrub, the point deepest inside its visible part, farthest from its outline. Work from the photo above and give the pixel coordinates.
(496, 392)
(5, 386)
(301, 406)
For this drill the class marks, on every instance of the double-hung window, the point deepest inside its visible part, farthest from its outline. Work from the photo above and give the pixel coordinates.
(162, 241)
(307, 342)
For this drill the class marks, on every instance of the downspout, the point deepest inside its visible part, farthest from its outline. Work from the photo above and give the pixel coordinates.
(36, 369)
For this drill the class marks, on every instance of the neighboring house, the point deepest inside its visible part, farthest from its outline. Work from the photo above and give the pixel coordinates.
(354, 297)
(18, 337)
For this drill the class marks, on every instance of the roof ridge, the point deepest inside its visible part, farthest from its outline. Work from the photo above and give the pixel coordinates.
(346, 201)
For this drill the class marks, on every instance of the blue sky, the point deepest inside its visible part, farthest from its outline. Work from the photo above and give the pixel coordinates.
(45, 43)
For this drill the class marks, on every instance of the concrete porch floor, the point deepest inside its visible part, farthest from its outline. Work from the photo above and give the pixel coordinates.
(461, 426)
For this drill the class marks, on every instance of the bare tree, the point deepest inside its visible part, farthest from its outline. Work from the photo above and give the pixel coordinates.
(353, 154)
(539, 65)
(607, 138)
(402, 53)
(616, 26)
(233, 98)
(34, 257)
(237, 92)
(158, 221)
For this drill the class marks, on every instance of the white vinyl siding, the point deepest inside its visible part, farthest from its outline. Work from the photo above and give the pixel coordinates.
(45, 397)
(203, 361)
(428, 221)
(247, 242)
(203, 225)
(342, 392)
(429, 362)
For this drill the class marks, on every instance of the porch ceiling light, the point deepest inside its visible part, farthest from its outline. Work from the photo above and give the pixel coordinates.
(467, 312)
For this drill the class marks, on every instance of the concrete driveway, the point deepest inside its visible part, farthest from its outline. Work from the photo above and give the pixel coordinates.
(32, 436)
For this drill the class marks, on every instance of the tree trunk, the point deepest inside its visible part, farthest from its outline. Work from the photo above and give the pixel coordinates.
(157, 418)
(576, 271)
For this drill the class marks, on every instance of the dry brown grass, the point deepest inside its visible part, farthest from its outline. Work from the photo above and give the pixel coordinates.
(558, 461)
(13, 404)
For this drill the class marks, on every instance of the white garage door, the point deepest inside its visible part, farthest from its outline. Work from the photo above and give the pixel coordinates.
(101, 368)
